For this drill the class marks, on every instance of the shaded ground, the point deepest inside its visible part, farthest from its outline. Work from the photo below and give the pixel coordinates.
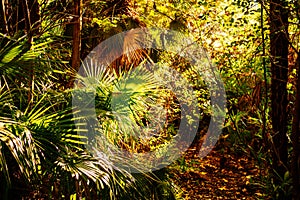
(217, 176)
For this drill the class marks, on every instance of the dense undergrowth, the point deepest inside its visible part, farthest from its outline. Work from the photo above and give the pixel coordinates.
(42, 154)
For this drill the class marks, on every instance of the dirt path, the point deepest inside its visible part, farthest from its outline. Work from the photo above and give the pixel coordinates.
(217, 176)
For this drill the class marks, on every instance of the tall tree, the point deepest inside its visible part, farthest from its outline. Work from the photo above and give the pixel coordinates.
(279, 69)
(76, 34)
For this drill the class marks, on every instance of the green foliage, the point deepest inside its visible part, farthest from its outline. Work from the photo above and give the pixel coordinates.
(39, 143)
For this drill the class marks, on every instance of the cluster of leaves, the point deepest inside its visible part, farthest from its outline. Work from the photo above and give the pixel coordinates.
(40, 149)
(231, 32)
(39, 144)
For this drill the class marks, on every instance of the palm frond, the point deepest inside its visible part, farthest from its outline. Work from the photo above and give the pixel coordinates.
(23, 151)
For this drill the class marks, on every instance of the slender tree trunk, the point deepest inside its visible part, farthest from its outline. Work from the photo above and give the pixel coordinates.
(32, 23)
(13, 16)
(295, 168)
(76, 35)
(3, 16)
(279, 68)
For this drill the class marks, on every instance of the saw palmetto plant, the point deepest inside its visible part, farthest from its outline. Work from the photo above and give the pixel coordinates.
(41, 153)
(39, 146)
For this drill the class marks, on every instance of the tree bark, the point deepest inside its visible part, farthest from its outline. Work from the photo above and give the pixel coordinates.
(76, 35)
(295, 167)
(279, 68)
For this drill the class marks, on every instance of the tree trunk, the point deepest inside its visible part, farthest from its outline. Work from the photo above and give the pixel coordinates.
(76, 35)
(20, 15)
(295, 168)
(32, 23)
(31, 11)
(3, 16)
(279, 68)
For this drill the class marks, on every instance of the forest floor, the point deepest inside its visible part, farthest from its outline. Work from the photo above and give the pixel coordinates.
(217, 176)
